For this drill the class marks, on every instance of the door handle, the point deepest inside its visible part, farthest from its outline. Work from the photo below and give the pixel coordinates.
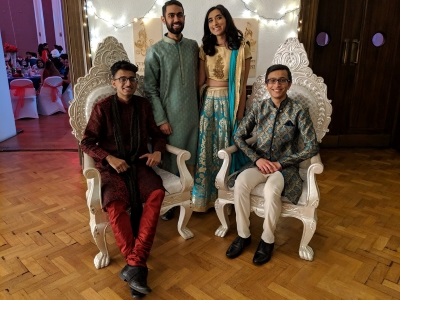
(354, 54)
(345, 51)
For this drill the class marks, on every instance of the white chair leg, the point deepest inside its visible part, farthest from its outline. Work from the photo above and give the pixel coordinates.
(305, 251)
(222, 214)
(102, 258)
(185, 213)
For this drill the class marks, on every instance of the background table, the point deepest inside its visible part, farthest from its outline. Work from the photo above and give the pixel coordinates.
(35, 80)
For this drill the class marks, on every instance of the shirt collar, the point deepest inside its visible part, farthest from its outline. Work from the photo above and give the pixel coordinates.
(169, 40)
(282, 105)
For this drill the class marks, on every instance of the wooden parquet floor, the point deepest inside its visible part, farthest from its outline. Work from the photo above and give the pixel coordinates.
(46, 248)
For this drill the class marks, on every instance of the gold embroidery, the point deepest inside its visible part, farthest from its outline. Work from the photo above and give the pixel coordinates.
(218, 70)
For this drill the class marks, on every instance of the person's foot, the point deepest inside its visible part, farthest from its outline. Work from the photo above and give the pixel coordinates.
(168, 215)
(136, 276)
(237, 247)
(263, 253)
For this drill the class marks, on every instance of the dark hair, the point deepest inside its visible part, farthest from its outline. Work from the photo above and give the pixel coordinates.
(123, 65)
(41, 62)
(40, 49)
(64, 56)
(234, 35)
(50, 70)
(276, 68)
(168, 3)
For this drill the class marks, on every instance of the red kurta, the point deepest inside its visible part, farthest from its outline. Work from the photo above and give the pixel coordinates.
(98, 142)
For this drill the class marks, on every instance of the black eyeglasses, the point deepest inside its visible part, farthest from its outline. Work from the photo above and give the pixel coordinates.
(123, 79)
(280, 81)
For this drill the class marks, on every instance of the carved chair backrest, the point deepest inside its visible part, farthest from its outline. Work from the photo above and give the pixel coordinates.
(96, 85)
(306, 87)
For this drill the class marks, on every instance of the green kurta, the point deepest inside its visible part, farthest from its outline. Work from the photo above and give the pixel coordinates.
(171, 83)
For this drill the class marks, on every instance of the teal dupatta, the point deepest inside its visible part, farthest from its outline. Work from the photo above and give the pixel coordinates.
(238, 158)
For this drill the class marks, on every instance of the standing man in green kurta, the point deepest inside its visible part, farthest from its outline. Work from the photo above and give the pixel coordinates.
(171, 83)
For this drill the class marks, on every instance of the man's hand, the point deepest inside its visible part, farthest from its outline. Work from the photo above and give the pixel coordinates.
(266, 167)
(166, 129)
(118, 164)
(153, 159)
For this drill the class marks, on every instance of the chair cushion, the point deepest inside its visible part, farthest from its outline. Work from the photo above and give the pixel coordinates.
(171, 182)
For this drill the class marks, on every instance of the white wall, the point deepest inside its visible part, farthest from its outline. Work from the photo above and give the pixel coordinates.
(269, 13)
(7, 122)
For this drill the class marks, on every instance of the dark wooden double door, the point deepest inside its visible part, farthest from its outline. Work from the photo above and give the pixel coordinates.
(358, 57)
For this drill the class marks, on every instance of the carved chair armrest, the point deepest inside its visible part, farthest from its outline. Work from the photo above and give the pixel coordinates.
(186, 180)
(225, 155)
(94, 184)
(308, 170)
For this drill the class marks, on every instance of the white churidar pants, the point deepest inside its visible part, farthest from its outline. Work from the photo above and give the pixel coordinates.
(246, 181)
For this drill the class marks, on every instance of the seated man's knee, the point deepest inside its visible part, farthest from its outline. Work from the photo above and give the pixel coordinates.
(241, 183)
(156, 197)
(116, 207)
(274, 186)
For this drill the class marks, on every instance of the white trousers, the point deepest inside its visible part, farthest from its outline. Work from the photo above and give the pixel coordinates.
(246, 181)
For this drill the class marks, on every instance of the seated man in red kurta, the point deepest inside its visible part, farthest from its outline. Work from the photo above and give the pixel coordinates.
(116, 137)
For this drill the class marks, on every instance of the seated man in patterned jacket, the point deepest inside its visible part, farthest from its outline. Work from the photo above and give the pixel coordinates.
(280, 122)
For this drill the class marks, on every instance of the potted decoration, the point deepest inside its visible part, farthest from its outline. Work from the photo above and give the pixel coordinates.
(11, 53)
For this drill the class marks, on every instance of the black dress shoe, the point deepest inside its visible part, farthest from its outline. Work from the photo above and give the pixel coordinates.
(237, 247)
(136, 276)
(135, 294)
(168, 215)
(263, 253)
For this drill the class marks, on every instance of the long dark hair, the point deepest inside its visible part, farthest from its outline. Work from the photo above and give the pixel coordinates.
(41, 47)
(234, 35)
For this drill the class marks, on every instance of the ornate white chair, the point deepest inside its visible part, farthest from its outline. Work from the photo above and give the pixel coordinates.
(88, 90)
(49, 100)
(23, 99)
(311, 91)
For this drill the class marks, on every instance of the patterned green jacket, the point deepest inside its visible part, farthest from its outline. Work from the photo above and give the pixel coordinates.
(279, 132)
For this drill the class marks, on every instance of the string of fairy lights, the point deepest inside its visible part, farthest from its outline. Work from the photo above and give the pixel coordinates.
(253, 9)
(250, 11)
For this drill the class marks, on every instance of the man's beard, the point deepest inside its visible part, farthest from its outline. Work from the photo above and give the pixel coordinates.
(171, 29)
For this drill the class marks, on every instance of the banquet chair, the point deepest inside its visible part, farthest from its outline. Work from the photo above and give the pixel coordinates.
(67, 96)
(90, 89)
(23, 98)
(49, 100)
(311, 91)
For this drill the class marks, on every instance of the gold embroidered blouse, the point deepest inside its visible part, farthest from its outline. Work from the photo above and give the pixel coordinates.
(217, 66)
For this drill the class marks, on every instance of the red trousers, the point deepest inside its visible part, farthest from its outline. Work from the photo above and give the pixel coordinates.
(136, 250)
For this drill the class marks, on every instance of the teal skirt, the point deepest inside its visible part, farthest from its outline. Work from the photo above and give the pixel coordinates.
(214, 135)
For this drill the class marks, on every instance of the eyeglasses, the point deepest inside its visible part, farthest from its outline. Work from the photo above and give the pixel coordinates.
(123, 79)
(178, 15)
(280, 81)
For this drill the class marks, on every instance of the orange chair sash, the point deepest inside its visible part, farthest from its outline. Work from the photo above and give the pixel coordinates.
(19, 91)
(54, 92)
